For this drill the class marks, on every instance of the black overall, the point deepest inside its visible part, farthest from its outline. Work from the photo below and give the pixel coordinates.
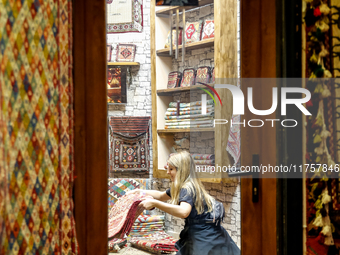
(201, 238)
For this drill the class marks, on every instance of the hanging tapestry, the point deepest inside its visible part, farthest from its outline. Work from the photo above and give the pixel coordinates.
(36, 128)
(129, 144)
(124, 16)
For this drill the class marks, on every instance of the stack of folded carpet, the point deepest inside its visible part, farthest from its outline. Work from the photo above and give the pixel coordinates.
(123, 214)
(190, 115)
(157, 242)
(204, 159)
(147, 224)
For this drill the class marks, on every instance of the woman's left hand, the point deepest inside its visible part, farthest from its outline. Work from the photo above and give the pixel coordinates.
(148, 203)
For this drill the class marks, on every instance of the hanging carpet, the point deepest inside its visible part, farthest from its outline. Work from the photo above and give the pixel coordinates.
(129, 143)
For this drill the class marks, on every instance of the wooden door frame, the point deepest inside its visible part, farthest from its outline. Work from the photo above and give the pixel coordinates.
(90, 115)
(258, 60)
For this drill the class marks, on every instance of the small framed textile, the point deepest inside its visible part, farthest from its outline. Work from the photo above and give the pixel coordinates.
(203, 74)
(125, 52)
(124, 16)
(174, 79)
(108, 52)
(193, 31)
(208, 30)
(188, 77)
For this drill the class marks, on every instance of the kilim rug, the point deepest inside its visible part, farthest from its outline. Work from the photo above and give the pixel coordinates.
(158, 242)
(118, 187)
(129, 143)
(36, 128)
(123, 214)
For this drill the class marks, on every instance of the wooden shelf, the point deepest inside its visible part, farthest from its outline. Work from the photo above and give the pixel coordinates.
(189, 46)
(122, 63)
(184, 130)
(166, 11)
(170, 92)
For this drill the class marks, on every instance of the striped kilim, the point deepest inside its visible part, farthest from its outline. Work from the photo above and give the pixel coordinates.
(36, 137)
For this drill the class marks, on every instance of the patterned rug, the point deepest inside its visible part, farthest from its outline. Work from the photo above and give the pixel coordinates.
(158, 242)
(36, 128)
(123, 214)
(118, 187)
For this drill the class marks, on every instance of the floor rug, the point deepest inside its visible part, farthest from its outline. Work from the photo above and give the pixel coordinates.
(123, 214)
(155, 242)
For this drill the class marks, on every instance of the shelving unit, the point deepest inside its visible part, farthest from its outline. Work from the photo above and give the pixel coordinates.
(166, 11)
(183, 130)
(225, 58)
(122, 63)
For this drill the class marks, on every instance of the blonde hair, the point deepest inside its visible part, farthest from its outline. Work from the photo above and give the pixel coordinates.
(186, 178)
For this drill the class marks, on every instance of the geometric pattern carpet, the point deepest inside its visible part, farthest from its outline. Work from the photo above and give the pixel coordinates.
(119, 186)
(36, 128)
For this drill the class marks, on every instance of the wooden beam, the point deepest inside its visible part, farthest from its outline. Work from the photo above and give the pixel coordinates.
(90, 107)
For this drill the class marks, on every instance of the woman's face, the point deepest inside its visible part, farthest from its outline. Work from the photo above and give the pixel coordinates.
(172, 171)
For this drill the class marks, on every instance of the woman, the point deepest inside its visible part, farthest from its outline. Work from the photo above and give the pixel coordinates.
(190, 201)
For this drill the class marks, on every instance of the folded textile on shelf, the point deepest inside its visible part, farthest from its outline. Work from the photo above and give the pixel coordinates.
(190, 123)
(188, 119)
(189, 126)
(116, 244)
(196, 103)
(202, 156)
(123, 214)
(146, 224)
(191, 108)
(149, 218)
(204, 162)
(188, 112)
(159, 242)
(191, 116)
